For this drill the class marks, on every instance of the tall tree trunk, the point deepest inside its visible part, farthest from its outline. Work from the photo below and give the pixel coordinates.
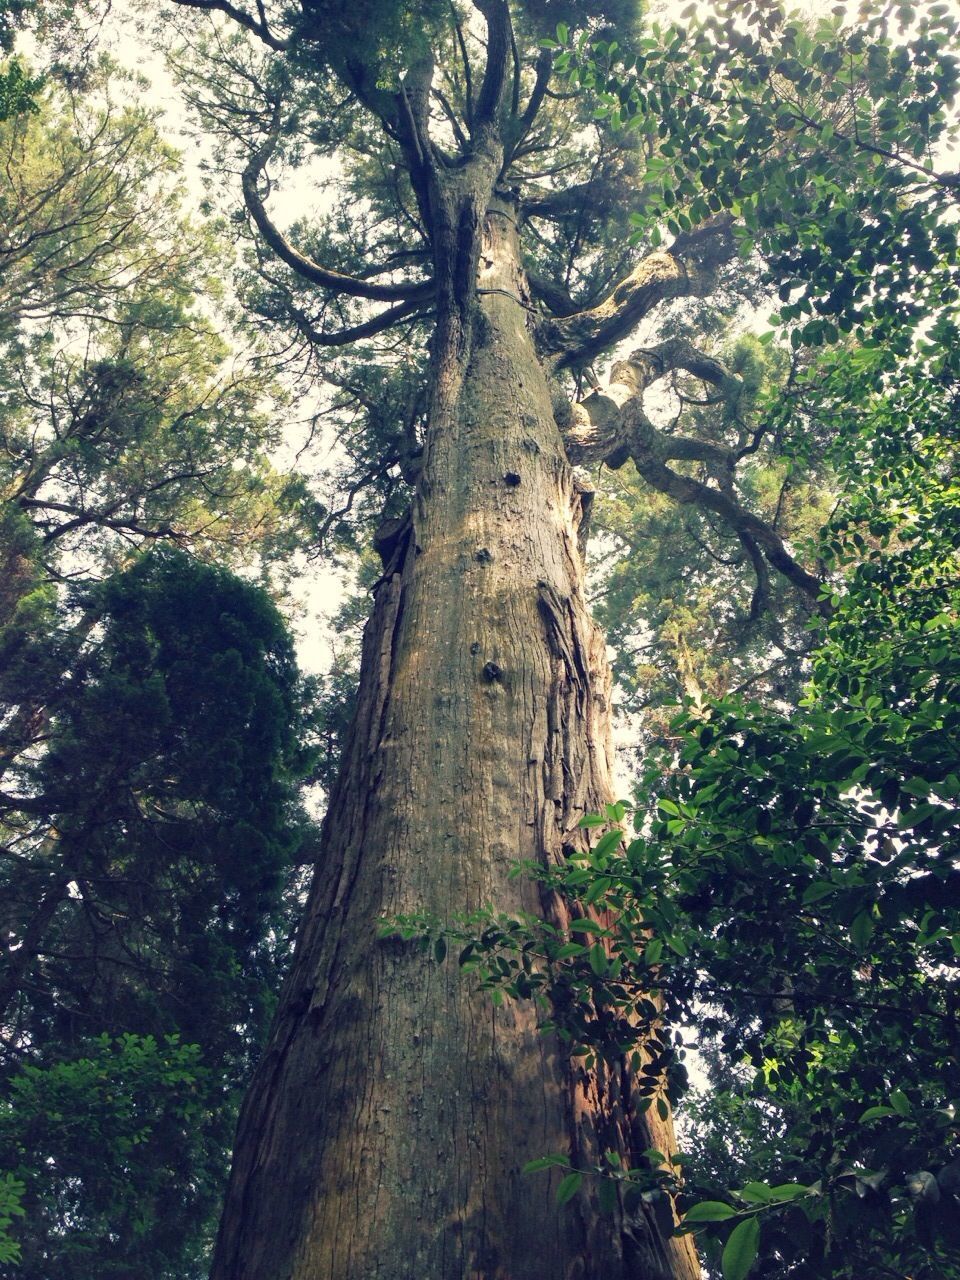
(387, 1125)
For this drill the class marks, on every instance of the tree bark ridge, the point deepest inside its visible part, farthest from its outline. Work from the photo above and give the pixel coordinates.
(388, 1124)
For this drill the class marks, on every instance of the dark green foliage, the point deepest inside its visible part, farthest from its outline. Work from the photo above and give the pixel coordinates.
(150, 856)
(169, 768)
(102, 1145)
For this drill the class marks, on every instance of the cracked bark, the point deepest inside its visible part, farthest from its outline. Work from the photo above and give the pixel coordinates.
(388, 1123)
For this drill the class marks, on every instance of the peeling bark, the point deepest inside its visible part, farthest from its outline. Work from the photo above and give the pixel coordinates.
(388, 1123)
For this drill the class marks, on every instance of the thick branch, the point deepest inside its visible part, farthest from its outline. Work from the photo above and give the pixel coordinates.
(525, 123)
(304, 266)
(610, 426)
(257, 25)
(497, 15)
(692, 492)
(596, 432)
(689, 269)
(355, 333)
(551, 295)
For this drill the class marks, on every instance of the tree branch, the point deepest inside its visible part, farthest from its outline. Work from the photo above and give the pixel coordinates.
(610, 426)
(499, 32)
(355, 333)
(467, 77)
(302, 265)
(596, 430)
(257, 25)
(544, 69)
(688, 269)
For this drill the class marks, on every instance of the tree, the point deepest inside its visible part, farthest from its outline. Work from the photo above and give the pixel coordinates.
(791, 892)
(145, 880)
(153, 719)
(388, 1123)
(791, 886)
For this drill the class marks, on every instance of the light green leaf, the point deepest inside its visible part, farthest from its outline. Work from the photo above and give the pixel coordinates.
(875, 1113)
(709, 1211)
(740, 1251)
(545, 1162)
(586, 926)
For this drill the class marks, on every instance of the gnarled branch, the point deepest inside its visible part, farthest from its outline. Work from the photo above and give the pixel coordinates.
(688, 269)
(610, 426)
(257, 25)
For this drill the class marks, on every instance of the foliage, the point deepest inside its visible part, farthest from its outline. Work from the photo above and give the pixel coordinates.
(818, 143)
(809, 132)
(821, 140)
(149, 851)
(124, 417)
(17, 89)
(153, 719)
(11, 1207)
(709, 625)
(100, 1145)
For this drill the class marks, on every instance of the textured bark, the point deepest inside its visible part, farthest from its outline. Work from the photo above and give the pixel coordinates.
(387, 1125)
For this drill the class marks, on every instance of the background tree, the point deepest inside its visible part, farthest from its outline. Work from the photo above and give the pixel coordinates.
(153, 716)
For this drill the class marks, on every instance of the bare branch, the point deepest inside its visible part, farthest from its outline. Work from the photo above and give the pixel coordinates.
(499, 33)
(257, 25)
(467, 76)
(304, 266)
(689, 269)
(354, 333)
(544, 68)
(610, 426)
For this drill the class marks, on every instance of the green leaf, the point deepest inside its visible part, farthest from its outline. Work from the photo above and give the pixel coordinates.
(569, 1187)
(586, 926)
(756, 1193)
(545, 1162)
(709, 1211)
(570, 949)
(861, 930)
(740, 1251)
(817, 890)
(788, 1191)
(440, 950)
(607, 1195)
(875, 1113)
(607, 842)
(901, 1103)
(592, 820)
